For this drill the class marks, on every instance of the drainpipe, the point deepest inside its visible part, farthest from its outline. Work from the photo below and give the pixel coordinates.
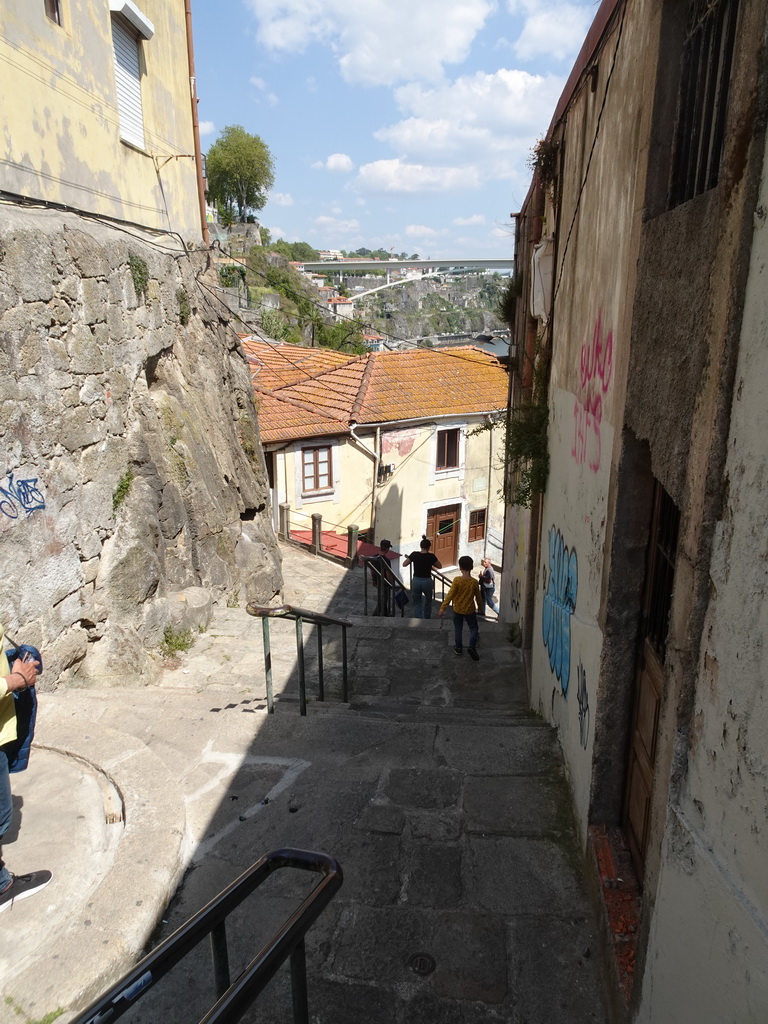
(195, 121)
(376, 456)
(488, 509)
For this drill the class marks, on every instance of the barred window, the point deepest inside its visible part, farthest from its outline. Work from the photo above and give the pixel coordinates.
(703, 100)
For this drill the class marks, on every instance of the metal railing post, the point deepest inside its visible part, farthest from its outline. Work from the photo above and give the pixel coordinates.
(268, 665)
(299, 984)
(220, 956)
(365, 587)
(300, 664)
(284, 528)
(320, 681)
(317, 533)
(352, 532)
(344, 682)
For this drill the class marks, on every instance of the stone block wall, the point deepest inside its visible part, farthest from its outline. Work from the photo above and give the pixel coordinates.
(133, 494)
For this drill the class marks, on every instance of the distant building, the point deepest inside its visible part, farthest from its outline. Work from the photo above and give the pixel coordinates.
(390, 441)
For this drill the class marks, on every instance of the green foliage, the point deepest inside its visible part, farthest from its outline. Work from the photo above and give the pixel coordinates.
(297, 252)
(185, 308)
(507, 304)
(175, 640)
(226, 216)
(231, 276)
(274, 324)
(240, 170)
(527, 452)
(122, 489)
(543, 161)
(139, 273)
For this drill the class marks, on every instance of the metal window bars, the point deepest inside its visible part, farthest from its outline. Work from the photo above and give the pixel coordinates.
(233, 998)
(300, 616)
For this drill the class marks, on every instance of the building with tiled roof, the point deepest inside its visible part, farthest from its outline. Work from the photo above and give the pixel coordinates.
(390, 441)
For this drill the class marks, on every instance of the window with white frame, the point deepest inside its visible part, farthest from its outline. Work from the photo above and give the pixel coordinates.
(316, 470)
(447, 449)
(129, 27)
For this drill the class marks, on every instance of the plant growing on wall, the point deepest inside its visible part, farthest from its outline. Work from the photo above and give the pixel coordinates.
(507, 304)
(122, 489)
(543, 161)
(185, 308)
(139, 273)
(526, 442)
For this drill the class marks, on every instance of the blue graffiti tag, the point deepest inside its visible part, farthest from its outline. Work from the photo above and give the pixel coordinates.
(559, 606)
(20, 496)
(582, 696)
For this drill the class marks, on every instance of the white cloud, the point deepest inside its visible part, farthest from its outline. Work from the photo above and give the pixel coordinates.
(261, 85)
(397, 176)
(551, 29)
(339, 162)
(466, 222)
(341, 227)
(276, 232)
(281, 198)
(420, 231)
(207, 127)
(379, 42)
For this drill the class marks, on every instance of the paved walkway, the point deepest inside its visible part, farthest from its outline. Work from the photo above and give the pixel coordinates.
(440, 795)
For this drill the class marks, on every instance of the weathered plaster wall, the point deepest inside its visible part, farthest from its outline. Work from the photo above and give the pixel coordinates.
(713, 866)
(61, 134)
(602, 142)
(99, 384)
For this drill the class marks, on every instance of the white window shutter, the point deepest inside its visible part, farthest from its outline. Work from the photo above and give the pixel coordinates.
(128, 82)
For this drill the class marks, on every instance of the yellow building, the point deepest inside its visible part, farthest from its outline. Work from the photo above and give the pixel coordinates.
(393, 442)
(98, 110)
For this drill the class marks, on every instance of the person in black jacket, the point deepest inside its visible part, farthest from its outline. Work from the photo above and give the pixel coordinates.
(422, 584)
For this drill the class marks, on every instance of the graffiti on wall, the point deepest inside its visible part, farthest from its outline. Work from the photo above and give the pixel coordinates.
(561, 588)
(20, 496)
(595, 372)
(582, 698)
(515, 596)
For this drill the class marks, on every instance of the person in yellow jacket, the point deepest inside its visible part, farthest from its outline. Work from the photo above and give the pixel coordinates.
(464, 592)
(24, 674)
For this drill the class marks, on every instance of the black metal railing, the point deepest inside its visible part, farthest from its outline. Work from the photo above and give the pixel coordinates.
(388, 588)
(233, 998)
(300, 616)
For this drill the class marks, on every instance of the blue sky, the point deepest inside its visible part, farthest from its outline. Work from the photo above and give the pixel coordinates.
(392, 123)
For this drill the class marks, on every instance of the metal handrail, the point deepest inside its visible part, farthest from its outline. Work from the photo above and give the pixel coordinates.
(233, 998)
(300, 616)
(392, 586)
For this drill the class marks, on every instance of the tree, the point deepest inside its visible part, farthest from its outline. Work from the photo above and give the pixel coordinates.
(240, 170)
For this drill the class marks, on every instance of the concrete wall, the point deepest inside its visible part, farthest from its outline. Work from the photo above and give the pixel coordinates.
(712, 879)
(134, 493)
(589, 334)
(61, 134)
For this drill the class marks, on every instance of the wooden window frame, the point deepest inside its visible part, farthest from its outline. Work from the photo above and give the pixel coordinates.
(478, 521)
(318, 487)
(442, 453)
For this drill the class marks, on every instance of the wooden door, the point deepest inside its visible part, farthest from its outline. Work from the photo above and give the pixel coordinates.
(657, 601)
(443, 530)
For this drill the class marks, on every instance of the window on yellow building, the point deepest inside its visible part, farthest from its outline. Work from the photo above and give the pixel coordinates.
(316, 470)
(127, 54)
(477, 524)
(447, 449)
(53, 10)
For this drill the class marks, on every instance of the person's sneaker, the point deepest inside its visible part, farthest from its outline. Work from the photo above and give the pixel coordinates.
(473, 654)
(458, 650)
(22, 886)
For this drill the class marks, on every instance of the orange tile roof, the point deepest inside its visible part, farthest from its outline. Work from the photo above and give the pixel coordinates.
(316, 392)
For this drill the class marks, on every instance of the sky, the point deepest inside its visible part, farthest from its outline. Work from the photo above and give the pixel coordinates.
(392, 124)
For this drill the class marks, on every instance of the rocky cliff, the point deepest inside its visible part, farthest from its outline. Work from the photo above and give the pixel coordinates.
(133, 494)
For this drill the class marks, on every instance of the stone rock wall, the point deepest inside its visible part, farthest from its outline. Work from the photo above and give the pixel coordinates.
(133, 494)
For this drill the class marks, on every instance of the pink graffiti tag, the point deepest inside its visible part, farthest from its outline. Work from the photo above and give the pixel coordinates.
(595, 371)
